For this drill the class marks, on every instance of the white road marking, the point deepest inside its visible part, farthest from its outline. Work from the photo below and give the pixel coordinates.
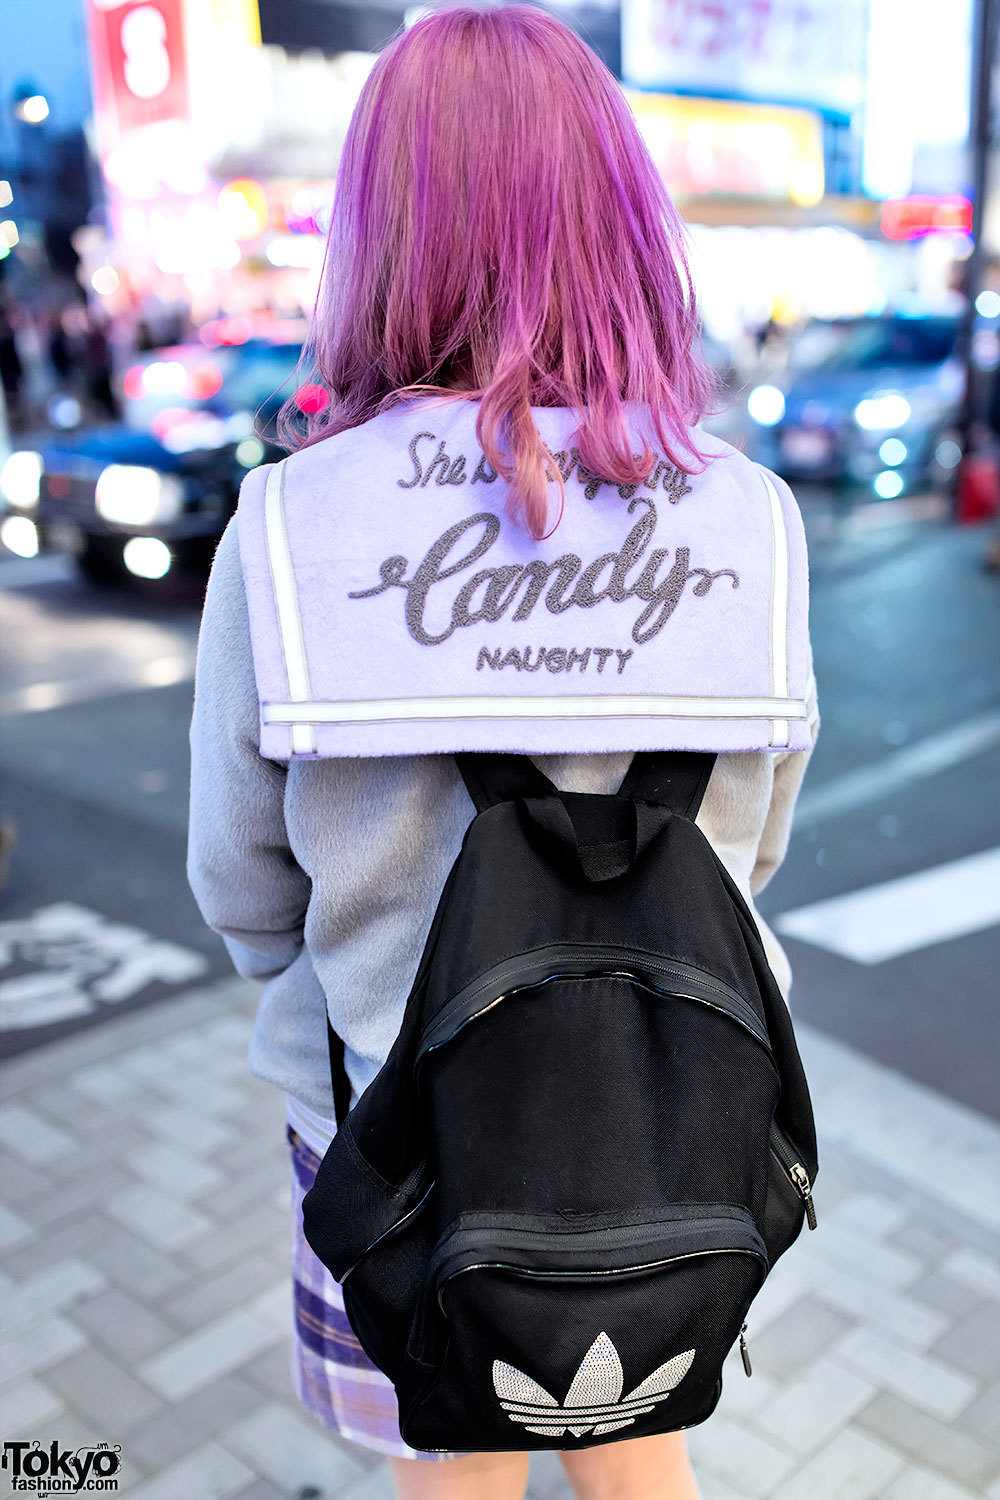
(30, 572)
(41, 1000)
(938, 752)
(39, 696)
(903, 915)
(79, 958)
(51, 661)
(162, 671)
(867, 518)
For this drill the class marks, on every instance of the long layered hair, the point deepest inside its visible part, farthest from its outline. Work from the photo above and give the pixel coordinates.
(500, 234)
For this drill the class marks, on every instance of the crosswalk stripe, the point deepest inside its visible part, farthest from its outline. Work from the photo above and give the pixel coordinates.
(926, 757)
(900, 916)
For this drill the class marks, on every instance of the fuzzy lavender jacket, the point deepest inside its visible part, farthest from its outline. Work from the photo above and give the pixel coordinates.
(322, 875)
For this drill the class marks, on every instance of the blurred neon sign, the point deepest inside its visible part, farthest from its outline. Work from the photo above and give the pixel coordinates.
(706, 146)
(809, 53)
(915, 216)
(139, 64)
(243, 206)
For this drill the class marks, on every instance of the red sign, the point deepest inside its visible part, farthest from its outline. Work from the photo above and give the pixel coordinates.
(139, 65)
(910, 218)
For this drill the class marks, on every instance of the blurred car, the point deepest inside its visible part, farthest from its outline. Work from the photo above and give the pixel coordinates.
(870, 401)
(156, 489)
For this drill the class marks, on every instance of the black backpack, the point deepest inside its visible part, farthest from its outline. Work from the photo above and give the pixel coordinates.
(554, 1204)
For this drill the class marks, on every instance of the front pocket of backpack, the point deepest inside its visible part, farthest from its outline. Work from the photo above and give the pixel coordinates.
(546, 1121)
(534, 1335)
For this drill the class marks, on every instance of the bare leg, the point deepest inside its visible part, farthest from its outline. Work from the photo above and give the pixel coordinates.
(645, 1468)
(474, 1476)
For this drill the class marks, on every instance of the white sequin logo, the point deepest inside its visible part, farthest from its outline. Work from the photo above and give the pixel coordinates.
(594, 1401)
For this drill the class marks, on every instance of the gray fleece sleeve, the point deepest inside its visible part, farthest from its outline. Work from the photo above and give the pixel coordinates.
(789, 771)
(245, 879)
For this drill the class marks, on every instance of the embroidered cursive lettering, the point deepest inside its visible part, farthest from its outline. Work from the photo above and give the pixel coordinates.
(489, 593)
(445, 468)
(409, 484)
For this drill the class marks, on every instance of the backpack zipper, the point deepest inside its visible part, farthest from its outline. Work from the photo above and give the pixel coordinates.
(587, 961)
(398, 1224)
(676, 1224)
(736, 1226)
(647, 1265)
(790, 1162)
(781, 1149)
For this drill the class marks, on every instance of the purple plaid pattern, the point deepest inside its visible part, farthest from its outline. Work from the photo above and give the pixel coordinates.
(332, 1375)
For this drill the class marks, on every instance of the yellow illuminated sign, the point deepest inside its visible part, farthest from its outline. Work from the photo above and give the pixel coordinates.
(239, 20)
(718, 146)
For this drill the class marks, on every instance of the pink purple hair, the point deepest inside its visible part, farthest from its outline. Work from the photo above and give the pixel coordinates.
(500, 234)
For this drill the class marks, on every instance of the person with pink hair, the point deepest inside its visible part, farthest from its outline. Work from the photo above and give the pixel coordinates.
(500, 234)
(504, 339)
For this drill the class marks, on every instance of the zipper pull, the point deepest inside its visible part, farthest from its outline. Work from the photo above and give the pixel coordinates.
(800, 1177)
(744, 1351)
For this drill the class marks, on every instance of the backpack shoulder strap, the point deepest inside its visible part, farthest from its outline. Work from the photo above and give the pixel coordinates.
(671, 778)
(492, 777)
(338, 1075)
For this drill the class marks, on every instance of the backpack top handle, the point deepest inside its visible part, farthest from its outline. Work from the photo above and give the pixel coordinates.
(630, 827)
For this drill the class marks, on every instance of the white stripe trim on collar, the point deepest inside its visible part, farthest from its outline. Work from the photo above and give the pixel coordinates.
(568, 706)
(293, 646)
(778, 622)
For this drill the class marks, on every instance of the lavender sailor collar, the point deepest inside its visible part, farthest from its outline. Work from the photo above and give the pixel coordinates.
(395, 610)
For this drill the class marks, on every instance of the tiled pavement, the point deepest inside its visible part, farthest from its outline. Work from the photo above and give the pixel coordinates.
(145, 1241)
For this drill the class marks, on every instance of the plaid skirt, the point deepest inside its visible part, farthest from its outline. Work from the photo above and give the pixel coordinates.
(332, 1375)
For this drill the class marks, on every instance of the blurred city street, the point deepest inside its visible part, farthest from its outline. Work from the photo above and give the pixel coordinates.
(150, 1302)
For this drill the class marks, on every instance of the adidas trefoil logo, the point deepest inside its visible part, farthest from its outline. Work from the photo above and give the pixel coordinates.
(594, 1401)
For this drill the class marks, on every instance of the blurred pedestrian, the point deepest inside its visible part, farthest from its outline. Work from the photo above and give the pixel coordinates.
(992, 555)
(8, 838)
(11, 368)
(62, 355)
(503, 245)
(144, 339)
(98, 366)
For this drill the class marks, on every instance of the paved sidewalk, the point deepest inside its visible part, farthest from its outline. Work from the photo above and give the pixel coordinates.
(145, 1236)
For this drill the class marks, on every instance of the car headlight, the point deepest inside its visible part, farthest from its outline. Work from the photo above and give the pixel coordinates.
(131, 495)
(766, 405)
(883, 412)
(19, 535)
(21, 478)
